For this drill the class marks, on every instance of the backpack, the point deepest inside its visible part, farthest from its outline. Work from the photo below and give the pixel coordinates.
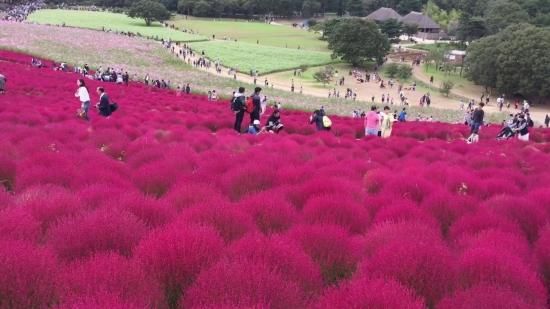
(327, 123)
(530, 123)
(249, 106)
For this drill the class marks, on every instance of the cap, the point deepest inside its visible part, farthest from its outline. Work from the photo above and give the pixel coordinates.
(256, 122)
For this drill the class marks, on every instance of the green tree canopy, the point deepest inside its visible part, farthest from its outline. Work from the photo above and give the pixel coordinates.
(149, 10)
(358, 41)
(514, 61)
(503, 13)
(391, 28)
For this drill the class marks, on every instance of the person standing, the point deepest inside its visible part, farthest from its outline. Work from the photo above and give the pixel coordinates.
(257, 105)
(187, 89)
(238, 107)
(477, 122)
(547, 120)
(372, 122)
(387, 122)
(84, 96)
(3, 81)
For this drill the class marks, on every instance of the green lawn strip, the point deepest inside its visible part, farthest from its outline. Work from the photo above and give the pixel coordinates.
(266, 59)
(112, 21)
(253, 32)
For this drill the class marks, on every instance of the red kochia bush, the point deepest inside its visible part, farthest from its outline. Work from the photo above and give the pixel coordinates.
(542, 250)
(230, 222)
(338, 210)
(486, 296)
(103, 299)
(151, 211)
(101, 230)
(498, 268)
(7, 173)
(331, 247)
(240, 284)
(18, 223)
(175, 254)
(281, 254)
(370, 293)
(427, 268)
(270, 211)
(27, 276)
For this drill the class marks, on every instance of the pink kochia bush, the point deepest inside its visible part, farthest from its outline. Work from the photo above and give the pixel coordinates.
(164, 205)
(175, 255)
(367, 293)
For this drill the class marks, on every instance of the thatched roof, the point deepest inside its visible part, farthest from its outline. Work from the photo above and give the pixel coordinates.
(383, 14)
(420, 20)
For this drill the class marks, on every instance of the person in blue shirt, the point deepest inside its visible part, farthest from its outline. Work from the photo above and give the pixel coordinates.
(254, 127)
(402, 116)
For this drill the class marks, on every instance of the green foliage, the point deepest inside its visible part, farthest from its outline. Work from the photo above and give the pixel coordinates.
(392, 69)
(442, 17)
(406, 6)
(446, 87)
(355, 8)
(358, 41)
(328, 27)
(404, 72)
(410, 29)
(324, 75)
(514, 61)
(502, 13)
(437, 54)
(149, 10)
(391, 28)
(471, 28)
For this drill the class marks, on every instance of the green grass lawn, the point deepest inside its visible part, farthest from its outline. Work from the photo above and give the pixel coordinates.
(307, 78)
(252, 32)
(116, 22)
(247, 56)
(440, 76)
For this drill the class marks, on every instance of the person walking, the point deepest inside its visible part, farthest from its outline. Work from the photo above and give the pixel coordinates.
(387, 122)
(372, 122)
(84, 96)
(547, 120)
(238, 107)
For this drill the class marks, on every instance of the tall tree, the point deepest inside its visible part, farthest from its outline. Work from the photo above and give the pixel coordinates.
(355, 8)
(502, 13)
(514, 61)
(471, 28)
(149, 10)
(358, 42)
(391, 28)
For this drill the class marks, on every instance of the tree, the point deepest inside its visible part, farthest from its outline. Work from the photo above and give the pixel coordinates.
(437, 55)
(328, 27)
(324, 75)
(406, 6)
(502, 13)
(149, 10)
(310, 8)
(392, 69)
(358, 41)
(446, 87)
(391, 28)
(404, 72)
(410, 29)
(514, 61)
(355, 8)
(471, 28)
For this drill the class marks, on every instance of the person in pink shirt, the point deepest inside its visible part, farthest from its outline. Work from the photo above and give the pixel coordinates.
(372, 122)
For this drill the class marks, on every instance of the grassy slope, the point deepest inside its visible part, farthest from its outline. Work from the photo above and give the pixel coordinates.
(248, 56)
(252, 32)
(118, 22)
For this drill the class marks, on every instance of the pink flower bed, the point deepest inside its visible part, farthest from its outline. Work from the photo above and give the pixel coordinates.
(163, 205)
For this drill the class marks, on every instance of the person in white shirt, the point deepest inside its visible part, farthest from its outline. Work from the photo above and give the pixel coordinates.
(214, 96)
(84, 96)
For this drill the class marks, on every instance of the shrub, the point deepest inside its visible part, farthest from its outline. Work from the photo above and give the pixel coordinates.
(239, 284)
(404, 72)
(370, 293)
(484, 296)
(18, 223)
(270, 211)
(7, 173)
(176, 254)
(494, 267)
(100, 230)
(103, 299)
(152, 212)
(27, 276)
(542, 251)
(284, 256)
(338, 210)
(480, 221)
(426, 268)
(331, 248)
(446, 87)
(392, 69)
(112, 273)
(185, 194)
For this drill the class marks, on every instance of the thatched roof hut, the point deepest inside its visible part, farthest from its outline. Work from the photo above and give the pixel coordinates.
(423, 22)
(383, 14)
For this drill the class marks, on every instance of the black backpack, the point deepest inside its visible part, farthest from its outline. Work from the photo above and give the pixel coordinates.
(236, 104)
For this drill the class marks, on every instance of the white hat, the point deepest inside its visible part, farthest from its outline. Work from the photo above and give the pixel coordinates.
(256, 122)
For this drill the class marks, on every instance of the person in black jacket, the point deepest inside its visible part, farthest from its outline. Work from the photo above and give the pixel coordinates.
(274, 124)
(477, 122)
(3, 81)
(317, 118)
(238, 107)
(104, 105)
(257, 102)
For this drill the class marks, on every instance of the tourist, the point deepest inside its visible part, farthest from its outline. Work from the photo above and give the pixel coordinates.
(84, 96)
(402, 116)
(238, 107)
(546, 119)
(4, 80)
(105, 107)
(187, 89)
(126, 78)
(254, 127)
(318, 118)
(387, 122)
(522, 128)
(214, 96)
(257, 105)
(372, 122)
(274, 124)
(477, 122)
(507, 130)
(526, 106)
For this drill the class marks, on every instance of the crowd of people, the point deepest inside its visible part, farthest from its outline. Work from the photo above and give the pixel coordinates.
(105, 107)
(254, 105)
(19, 13)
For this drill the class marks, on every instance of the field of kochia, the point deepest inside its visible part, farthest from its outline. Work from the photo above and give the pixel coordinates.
(112, 21)
(248, 56)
